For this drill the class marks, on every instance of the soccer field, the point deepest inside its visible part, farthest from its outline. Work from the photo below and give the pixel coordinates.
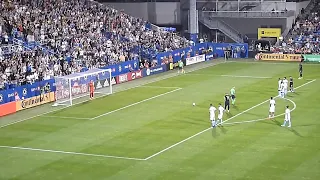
(149, 129)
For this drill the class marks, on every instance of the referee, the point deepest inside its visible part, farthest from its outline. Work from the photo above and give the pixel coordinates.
(300, 70)
(227, 102)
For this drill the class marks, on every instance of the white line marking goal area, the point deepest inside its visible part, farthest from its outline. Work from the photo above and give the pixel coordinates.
(201, 132)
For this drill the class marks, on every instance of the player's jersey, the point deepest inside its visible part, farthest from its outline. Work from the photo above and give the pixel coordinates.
(233, 91)
(91, 87)
(212, 111)
(287, 114)
(272, 103)
(300, 67)
(285, 82)
(227, 99)
(279, 84)
(221, 109)
(283, 87)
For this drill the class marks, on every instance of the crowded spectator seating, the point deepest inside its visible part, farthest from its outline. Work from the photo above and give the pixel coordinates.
(304, 37)
(45, 38)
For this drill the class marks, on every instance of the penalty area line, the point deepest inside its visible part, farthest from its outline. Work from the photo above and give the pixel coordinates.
(139, 102)
(205, 130)
(70, 153)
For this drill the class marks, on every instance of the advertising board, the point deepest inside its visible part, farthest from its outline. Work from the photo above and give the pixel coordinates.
(195, 59)
(278, 57)
(34, 101)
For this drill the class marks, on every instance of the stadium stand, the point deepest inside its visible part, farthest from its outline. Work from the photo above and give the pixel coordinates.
(304, 36)
(56, 38)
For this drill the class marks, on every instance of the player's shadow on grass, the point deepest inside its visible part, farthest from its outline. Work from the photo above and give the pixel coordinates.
(214, 132)
(235, 107)
(223, 129)
(271, 122)
(229, 115)
(305, 125)
(295, 132)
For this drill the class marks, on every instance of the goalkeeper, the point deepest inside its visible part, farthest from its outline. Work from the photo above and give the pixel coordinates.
(91, 88)
(233, 95)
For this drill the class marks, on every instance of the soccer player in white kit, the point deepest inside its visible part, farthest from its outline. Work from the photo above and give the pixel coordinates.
(285, 82)
(287, 117)
(220, 115)
(272, 108)
(279, 87)
(282, 89)
(212, 115)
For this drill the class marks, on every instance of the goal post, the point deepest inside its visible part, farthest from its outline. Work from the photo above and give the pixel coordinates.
(76, 86)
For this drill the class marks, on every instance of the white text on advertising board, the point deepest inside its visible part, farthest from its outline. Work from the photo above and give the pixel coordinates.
(123, 78)
(156, 69)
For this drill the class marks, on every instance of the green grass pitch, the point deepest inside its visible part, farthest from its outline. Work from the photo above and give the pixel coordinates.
(152, 131)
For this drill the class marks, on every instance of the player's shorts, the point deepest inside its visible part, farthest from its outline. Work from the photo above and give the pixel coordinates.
(272, 109)
(220, 116)
(233, 96)
(291, 84)
(212, 118)
(180, 67)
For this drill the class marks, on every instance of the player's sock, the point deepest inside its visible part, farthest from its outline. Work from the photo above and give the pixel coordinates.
(289, 124)
(284, 123)
(212, 123)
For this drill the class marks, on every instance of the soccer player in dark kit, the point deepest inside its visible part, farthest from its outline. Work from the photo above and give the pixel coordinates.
(300, 70)
(227, 102)
(291, 84)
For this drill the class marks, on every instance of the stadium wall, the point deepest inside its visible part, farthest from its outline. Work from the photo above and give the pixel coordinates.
(164, 13)
(39, 93)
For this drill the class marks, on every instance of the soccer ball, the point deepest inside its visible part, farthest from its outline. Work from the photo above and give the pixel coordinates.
(193, 104)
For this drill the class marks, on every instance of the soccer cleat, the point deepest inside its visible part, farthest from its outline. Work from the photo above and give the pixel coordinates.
(282, 125)
(289, 126)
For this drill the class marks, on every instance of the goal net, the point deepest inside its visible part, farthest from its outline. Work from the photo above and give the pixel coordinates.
(76, 86)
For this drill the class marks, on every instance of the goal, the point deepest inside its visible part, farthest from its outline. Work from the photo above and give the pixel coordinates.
(76, 86)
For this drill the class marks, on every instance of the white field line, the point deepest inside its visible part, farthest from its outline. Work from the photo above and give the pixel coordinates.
(71, 153)
(262, 119)
(201, 132)
(125, 89)
(234, 76)
(68, 117)
(130, 105)
(65, 117)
